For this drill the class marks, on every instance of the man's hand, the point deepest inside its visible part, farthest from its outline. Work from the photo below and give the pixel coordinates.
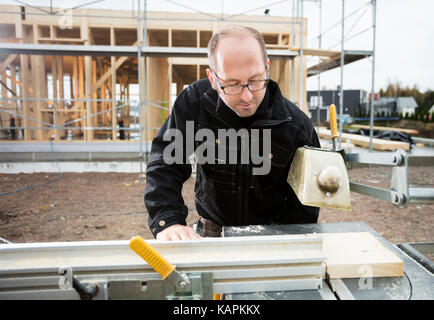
(177, 232)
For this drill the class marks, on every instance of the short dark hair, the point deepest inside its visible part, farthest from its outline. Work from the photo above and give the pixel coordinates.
(234, 30)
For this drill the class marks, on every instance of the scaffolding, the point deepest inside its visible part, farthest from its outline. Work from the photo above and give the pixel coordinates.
(150, 49)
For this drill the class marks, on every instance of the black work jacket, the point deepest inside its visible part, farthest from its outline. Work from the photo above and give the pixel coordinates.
(229, 194)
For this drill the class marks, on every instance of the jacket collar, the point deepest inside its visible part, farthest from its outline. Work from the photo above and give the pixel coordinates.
(271, 108)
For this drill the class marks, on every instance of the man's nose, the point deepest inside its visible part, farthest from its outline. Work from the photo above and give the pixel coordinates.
(246, 95)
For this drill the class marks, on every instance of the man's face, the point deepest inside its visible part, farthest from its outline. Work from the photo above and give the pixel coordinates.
(239, 60)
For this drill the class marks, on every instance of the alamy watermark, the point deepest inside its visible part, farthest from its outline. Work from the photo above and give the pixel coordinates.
(226, 143)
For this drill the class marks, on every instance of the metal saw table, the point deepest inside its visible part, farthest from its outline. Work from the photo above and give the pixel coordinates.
(417, 282)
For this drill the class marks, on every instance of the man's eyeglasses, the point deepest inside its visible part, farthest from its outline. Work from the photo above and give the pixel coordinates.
(254, 85)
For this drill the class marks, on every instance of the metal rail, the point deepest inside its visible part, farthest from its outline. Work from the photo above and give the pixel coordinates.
(399, 193)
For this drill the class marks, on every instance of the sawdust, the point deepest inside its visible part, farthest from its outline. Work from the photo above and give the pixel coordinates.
(109, 206)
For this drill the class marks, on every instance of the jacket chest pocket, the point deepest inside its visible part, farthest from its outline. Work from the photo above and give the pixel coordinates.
(275, 164)
(212, 156)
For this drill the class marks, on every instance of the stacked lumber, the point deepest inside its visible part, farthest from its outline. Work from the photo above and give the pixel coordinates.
(363, 141)
(363, 126)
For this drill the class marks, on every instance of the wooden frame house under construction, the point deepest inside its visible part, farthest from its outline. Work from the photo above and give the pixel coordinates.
(75, 76)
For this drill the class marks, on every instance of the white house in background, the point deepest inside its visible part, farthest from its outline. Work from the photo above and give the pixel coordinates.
(406, 105)
(403, 105)
(431, 110)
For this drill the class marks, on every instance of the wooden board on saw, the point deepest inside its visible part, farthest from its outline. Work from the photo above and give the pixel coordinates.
(359, 254)
(363, 141)
(364, 126)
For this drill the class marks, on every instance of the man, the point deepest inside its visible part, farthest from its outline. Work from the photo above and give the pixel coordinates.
(236, 97)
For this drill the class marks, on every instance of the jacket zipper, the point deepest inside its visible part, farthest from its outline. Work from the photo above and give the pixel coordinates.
(243, 168)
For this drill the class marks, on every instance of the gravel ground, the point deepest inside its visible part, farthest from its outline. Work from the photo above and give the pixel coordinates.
(109, 206)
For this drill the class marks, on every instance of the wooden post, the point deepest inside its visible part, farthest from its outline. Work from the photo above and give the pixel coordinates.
(38, 77)
(4, 117)
(61, 105)
(158, 90)
(54, 74)
(13, 70)
(24, 78)
(88, 93)
(113, 87)
(94, 94)
(170, 77)
(82, 94)
(103, 102)
(75, 115)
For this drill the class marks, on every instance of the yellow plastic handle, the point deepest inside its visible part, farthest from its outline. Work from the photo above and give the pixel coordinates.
(151, 256)
(333, 122)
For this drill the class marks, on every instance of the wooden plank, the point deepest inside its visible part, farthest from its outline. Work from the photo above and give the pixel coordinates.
(112, 73)
(359, 254)
(363, 126)
(363, 141)
(317, 52)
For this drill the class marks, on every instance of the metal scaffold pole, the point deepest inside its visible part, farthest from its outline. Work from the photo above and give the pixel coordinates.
(139, 67)
(371, 120)
(301, 56)
(319, 74)
(145, 44)
(341, 97)
(292, 44)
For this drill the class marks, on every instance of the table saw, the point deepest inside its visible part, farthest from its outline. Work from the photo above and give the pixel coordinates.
(288, 263)
(311, 261)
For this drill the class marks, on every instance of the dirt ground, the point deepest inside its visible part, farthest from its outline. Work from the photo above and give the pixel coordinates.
(109, 206)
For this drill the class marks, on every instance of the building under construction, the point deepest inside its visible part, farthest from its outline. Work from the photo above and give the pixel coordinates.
(88, 75)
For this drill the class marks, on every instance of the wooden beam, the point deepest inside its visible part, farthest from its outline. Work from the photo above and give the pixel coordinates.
(55, 75)
(7, 62)
(317, 52)
(24, 76)
(107, 74)
(61, 105)
(363, 141)
(112, 74)
(361, 126)
(88, 94)
(104, 103)
(94, 94)
(115, 65)
(38, 71)
(81, 94)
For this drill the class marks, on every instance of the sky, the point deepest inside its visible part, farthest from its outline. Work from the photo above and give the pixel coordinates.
(404, 43)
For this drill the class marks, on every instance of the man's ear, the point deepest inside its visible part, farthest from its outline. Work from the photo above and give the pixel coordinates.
(210, 76)
(268, 68)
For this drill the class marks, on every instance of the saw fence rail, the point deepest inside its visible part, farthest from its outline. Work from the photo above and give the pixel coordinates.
(235, 265)
(32, 271)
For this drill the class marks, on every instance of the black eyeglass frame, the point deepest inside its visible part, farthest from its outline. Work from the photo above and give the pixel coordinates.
(266, 81)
